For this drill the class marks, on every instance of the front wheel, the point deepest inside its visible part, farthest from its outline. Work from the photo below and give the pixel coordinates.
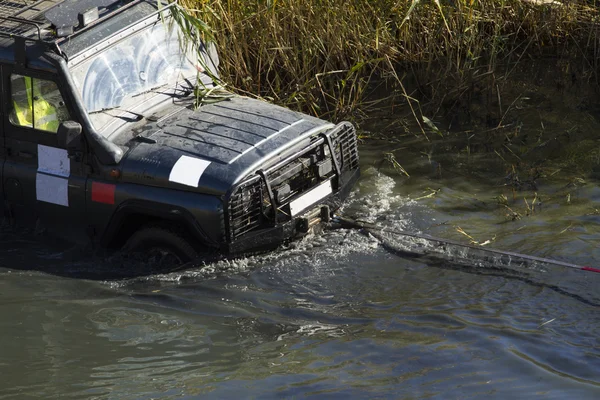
(161, 247)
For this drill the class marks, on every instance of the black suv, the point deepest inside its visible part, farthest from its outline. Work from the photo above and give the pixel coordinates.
(111, 134)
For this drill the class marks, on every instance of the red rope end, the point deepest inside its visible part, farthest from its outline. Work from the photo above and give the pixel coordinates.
(591, 269)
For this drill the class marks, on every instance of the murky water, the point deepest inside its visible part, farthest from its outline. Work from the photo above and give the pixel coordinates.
(335, 315)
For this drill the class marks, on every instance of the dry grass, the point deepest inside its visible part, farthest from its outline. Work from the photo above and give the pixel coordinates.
(321, 56)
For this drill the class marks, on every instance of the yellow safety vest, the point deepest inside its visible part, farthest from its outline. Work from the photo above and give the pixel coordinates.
(44, 117)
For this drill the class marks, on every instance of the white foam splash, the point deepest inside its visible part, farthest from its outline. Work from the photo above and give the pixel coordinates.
(374, 200)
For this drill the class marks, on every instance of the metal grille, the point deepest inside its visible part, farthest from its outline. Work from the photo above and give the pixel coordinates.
(245, 208)
(346, 148)
(30, 10)
(249, 206)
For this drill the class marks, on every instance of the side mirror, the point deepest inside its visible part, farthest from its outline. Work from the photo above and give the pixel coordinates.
(69, 135)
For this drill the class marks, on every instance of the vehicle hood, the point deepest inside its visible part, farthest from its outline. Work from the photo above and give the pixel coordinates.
(210, 148)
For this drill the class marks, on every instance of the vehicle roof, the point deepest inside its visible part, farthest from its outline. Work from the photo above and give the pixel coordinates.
(36, 20)
(19, 17)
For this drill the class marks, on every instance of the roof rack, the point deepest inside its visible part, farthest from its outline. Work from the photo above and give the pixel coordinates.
(23, 18)
(28, 21)
(22, 21)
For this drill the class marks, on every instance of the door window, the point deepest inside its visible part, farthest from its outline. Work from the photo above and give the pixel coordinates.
(36, 103)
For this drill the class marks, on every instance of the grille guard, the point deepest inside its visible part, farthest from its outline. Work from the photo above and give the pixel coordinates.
(253, 204)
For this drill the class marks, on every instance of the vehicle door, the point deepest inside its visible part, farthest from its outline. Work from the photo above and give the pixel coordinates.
(43, 185)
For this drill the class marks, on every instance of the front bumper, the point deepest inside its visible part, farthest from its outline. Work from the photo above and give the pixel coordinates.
(269, 238)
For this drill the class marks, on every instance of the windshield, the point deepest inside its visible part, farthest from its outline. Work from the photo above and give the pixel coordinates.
(151, 58)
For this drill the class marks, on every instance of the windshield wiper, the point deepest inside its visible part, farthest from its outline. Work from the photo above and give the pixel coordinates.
(185, 90)
(139, 116)
(149, 90)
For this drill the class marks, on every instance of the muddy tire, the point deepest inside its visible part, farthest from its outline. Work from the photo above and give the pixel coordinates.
(160, 246)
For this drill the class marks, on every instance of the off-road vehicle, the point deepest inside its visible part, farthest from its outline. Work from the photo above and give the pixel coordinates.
(108, 137)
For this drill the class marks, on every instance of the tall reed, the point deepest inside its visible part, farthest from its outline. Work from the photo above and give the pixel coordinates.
(321, 56)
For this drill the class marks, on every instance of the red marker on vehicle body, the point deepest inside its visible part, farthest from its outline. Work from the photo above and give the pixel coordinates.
(103, 193)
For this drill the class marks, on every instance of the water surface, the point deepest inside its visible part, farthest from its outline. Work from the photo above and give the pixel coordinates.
(334, 315)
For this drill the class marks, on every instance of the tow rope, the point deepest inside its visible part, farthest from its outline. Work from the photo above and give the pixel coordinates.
(454, 251)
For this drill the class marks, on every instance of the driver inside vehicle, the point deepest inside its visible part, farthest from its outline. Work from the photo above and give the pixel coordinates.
(37, 104)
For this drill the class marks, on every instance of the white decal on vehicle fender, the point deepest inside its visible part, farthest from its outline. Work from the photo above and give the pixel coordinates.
(188, 170)
(54, 161)
(52, 178)
(52, 189)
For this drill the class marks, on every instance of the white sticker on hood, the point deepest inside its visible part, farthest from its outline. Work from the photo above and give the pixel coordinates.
(188, 170)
